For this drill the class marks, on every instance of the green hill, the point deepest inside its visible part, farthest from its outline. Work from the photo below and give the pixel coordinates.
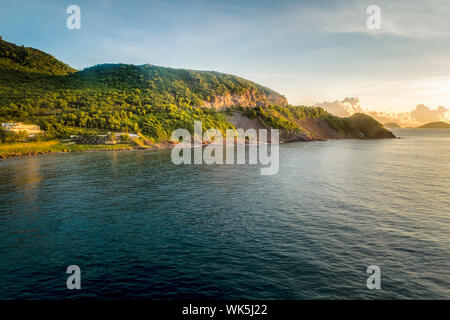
(436, 125)
(13, 57)
(187, 87)
(150, 100)
(369, 127)
(391, 125)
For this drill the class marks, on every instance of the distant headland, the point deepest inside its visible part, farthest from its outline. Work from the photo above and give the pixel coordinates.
(436, 125)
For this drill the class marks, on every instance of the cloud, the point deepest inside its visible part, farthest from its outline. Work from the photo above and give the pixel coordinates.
(420, 115)
(423, 113)
(343, 108)
(403, 119)
(398, 18)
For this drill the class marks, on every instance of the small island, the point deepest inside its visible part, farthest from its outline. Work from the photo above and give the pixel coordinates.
(435, 125)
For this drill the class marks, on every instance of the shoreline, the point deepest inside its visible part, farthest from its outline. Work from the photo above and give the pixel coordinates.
(9, 157)
(82, 151)
(55, 147)
(17, 150)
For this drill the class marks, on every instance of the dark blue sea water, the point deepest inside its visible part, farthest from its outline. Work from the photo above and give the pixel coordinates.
(141, 227)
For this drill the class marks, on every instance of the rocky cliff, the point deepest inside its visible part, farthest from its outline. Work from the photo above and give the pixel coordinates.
(250, 98)
(312, 127)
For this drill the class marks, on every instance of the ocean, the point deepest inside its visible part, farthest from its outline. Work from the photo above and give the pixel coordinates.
(140, 227)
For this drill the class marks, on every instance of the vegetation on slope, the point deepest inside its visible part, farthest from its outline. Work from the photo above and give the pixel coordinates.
(13, 57)
(369, 127)
(33, 148)
(283, 117)
(149, 100)
(436, 125)
(286, 118)
(391, 125)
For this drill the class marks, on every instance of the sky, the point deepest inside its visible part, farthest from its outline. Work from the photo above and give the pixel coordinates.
(313, 52)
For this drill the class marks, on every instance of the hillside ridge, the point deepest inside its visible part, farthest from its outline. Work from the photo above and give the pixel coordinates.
(153, 101)
(28, 59)
(435, 125)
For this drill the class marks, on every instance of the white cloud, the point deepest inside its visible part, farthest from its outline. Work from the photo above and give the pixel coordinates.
(420, 115)
(343, 108)
(414, 19)
(423, 113)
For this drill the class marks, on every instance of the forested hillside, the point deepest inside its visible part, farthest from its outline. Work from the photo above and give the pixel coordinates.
(37, 88)
(13, 57)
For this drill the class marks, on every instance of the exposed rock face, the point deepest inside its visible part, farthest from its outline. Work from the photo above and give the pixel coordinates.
(241, 121)
(291, 136)
(361, 126)
(249, 98)
(318, 128)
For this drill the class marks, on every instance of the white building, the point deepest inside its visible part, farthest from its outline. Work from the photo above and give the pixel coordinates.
(16, 127)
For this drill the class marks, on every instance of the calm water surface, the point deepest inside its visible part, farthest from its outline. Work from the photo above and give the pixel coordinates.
(140, 227)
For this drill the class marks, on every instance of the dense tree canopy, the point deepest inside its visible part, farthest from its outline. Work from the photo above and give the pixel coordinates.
(37, 88)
